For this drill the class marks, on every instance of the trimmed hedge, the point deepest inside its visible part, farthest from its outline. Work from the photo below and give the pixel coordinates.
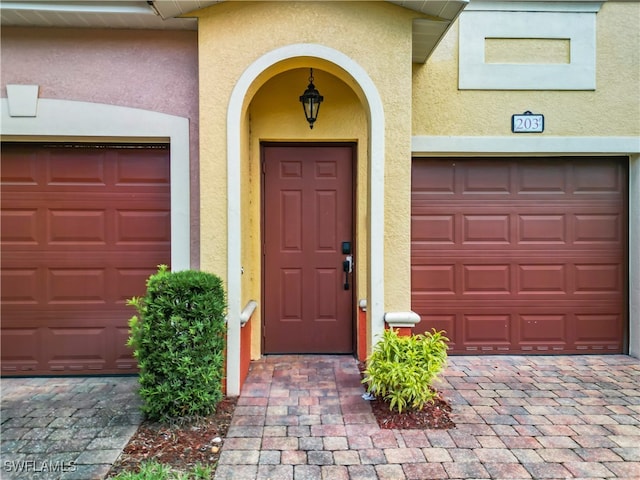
(178, 337)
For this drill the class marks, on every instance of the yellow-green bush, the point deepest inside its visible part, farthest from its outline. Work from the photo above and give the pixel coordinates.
(402, 369)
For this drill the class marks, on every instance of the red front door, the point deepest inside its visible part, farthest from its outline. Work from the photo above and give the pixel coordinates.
(308, 214)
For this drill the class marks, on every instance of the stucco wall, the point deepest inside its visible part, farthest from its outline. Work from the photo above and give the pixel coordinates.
(150, 70)
(613, 109)
(377, 36)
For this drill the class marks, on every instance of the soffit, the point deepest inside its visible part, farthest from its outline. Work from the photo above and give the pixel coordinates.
(165, 14)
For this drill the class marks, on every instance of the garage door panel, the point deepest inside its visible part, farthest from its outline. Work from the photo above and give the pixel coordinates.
(19, 168)
(433, 229)
(486, 279)
(597, 228)
(493, 229)
(542, 279)
(130, 172)
(513, 272)
(592, 279)
(598, 327)
(542, 228)
(19, 226)
(77, 226)
(488, 177)
(433, 279)
(492, 328)
(83, 227)
(143, 227)
(129, 282)
(597, 178)
(20, 349)
(542, 178)
(76, 286)
(19, 286)
(439, 179)
(67, 167)
(543, 329)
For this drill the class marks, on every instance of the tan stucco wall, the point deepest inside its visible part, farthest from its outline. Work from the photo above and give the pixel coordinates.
(613, 109)
(377, 36)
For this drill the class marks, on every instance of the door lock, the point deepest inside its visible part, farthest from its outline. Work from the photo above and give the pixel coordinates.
(347, 267)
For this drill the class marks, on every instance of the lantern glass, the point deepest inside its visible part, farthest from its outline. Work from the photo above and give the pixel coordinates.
(311, 100)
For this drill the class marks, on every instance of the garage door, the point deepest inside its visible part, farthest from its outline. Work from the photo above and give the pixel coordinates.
(82, 227)
(521, 255)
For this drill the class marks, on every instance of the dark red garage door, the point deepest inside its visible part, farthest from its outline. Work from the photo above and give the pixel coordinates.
(82, 228)
(521, 255)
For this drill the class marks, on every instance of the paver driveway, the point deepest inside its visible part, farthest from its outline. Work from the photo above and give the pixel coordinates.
(66, 428)
(302, 417)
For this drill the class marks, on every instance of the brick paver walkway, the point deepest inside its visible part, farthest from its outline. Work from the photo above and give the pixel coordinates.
(541, 417)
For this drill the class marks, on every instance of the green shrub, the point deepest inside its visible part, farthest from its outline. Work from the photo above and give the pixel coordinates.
(153, 470)
(178, 337)
(402, 369)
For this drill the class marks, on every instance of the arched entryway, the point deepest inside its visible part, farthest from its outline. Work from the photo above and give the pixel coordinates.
(240, 145)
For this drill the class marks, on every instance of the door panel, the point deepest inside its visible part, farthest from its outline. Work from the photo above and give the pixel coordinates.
(308, 213)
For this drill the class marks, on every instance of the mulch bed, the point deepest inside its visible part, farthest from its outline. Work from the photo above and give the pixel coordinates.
(181, 446)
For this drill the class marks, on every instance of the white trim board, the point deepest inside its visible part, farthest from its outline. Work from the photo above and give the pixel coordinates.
(89, 122)
(376, 190)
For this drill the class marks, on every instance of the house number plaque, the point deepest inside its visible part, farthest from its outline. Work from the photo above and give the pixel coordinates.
(527, 123)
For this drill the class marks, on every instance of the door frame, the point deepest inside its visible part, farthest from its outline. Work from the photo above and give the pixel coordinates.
(354, 160)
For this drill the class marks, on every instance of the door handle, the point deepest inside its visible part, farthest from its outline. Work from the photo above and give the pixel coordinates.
(347, 267)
